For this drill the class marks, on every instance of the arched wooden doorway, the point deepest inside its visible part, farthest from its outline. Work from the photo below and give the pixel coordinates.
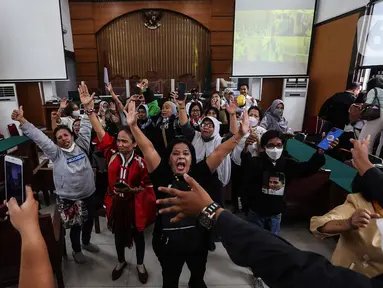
(179, 48)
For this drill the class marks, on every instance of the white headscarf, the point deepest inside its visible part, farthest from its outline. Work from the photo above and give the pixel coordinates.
(204, 148)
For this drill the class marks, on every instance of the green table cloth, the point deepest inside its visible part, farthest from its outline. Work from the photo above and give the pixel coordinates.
(11, 142)
(341, 174)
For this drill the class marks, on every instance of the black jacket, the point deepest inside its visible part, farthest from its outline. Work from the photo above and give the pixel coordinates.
(280, 264)
(259, 194)
(335, 109)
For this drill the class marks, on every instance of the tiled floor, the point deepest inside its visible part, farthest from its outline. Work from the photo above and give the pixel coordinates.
(221, 272)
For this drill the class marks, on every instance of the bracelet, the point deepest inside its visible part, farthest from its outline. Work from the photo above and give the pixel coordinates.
(89, 112)
(182, 107)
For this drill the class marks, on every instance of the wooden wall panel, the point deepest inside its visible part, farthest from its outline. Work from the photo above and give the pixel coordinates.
(221, 53)
(221, 66)
(271, 90)
(84, 41)
(91, 82)
(81, 10)
(86, 56)
(105, 12)
(222, 8)
(331, 58)
(221, 38)
(223, 24)
(86, 69)
(28, 95)
(83, 26)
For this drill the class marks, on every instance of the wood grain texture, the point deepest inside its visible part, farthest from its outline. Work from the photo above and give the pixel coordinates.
(91, 82)
(222, 53)
(84, 41)
(28, 95)
(220, 66)
(103, 13)
(222, 24)
(81, 10)
(331, 57)
(221, 38)
(82, 26)
(86, 56)
(271, 90)
(86, 69)
(222, 7)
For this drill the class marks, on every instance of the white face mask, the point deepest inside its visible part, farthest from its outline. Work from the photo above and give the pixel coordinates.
(253, 121)
(70, 149)
(76, 113)
(274, 154)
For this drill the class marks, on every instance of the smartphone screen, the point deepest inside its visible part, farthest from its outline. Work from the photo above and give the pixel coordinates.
(181, 91)
(331, 136)
(14, 181)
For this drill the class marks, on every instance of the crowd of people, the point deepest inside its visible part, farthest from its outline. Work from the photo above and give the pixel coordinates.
(165, 161)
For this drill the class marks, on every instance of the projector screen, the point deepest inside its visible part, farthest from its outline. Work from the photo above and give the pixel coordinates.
(272, 38)
(373, 50)
(31, 45)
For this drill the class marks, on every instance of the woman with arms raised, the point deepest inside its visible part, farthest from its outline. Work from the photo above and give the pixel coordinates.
(72, 172)
(177, 243)
(130, 199)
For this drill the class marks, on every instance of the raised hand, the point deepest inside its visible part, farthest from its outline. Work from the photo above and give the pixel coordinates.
(109, 87)
(232, 108)
(63, 103)
(244, 124)
(189, 203)
(360, 155)
(131, 114)
(85, 97)
(18, 115)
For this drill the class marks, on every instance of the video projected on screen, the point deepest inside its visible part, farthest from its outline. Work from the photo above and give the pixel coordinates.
(272, 42)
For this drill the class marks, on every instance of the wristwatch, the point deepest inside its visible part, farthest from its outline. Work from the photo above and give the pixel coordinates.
(206, 218)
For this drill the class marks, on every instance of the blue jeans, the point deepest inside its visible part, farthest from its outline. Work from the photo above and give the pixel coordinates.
(270, 223)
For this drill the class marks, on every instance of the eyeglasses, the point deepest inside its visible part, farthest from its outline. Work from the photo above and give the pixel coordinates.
(195, 111)
(207, 125)
(272, 146)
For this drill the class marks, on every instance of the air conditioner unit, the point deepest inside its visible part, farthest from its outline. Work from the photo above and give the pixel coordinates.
(8, 92)
(294, 96)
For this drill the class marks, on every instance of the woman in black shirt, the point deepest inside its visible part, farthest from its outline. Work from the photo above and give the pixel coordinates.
(177, 243)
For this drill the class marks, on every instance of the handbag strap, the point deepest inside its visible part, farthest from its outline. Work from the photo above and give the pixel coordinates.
(376, 97)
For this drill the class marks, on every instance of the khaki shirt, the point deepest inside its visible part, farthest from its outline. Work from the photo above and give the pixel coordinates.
(359, 250)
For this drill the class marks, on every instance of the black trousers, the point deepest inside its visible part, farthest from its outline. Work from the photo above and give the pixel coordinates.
(84, 232)
(173, 261)
(139, 240)
(236, 183)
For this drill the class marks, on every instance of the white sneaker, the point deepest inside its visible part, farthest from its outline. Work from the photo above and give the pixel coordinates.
(258, 283)
(79, 258)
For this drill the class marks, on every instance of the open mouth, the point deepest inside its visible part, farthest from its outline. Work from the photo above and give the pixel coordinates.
(181, 166)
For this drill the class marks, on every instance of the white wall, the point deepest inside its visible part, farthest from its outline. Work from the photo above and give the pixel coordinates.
(65, 15)
(328, 9)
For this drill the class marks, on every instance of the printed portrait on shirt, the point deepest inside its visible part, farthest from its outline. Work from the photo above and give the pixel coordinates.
(274, 183)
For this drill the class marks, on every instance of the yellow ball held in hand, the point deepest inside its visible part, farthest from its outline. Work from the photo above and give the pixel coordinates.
(241, 100)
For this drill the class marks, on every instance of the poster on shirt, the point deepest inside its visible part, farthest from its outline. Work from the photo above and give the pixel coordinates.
(274, 183)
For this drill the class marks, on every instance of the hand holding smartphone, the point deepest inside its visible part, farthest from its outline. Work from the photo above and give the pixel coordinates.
(14, 179)
(333, 135)
(181, 91)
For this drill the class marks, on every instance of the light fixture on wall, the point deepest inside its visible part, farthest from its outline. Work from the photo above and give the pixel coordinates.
(152, 18)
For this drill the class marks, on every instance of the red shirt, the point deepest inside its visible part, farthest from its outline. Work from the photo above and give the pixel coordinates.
(132, 171)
